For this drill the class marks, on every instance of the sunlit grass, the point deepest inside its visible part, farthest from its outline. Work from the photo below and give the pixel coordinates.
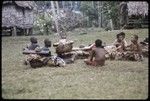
(117, 79)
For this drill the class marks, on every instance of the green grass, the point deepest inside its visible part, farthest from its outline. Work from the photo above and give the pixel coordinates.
(115, 80)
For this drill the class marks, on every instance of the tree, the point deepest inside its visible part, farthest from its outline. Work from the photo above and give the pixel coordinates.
(55, 17)
(89, 12)
(111, 11)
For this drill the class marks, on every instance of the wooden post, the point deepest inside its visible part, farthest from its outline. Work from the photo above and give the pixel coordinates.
(31, 31)
(14, 32)
(24, 32)
(27, 31)
(111, 24)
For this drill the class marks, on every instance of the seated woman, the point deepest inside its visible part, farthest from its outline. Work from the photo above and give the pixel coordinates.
(97, 56)
(120, 42)
(133, 50)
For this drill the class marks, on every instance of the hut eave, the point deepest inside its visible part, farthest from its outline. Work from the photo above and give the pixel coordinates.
(137, 8)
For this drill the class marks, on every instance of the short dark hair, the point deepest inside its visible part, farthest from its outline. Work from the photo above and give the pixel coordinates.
(136, 36)
(118, 35)
(122, 33)
(98, 43)
(33, 40)
(47, 43)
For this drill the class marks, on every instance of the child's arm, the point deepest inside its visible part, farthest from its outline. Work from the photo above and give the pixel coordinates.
(125, 43)
(127, 48)
(91, 46)
(139, 49)
(114, 43)
(92, 55)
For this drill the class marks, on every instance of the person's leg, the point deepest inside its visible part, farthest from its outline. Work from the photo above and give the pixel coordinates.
(73, 57)
(88, 62)
(92, 63)
(27, 59)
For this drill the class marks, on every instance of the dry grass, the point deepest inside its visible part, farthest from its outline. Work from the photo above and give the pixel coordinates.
(115, 80)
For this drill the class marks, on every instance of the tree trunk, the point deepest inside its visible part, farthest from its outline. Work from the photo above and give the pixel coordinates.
(54, 16)
(111, 24)
(71, 4)
(57, 6)
(27, 31)
(63, 4)
(100, 13)
(93, 3)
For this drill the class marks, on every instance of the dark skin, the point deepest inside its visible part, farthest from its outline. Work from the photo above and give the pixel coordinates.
(98, 55)
(120, 44)
(134, 46)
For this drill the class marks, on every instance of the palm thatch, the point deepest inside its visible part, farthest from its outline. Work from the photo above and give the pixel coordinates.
(137, 8)
(18, 13)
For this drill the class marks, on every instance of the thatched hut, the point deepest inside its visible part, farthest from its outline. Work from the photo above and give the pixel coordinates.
(137, 8)
(18, 17)
(136, 15)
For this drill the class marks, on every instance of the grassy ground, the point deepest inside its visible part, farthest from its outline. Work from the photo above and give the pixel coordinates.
(115, 80)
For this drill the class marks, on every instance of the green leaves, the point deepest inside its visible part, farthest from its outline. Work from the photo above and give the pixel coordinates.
(43, 23)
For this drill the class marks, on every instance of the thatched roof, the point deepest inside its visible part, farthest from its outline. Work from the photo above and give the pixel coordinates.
(15, 16)
(23, 4)
(136, 8)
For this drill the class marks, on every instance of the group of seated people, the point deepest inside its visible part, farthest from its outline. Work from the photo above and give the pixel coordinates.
(95, 54)
(119, 50)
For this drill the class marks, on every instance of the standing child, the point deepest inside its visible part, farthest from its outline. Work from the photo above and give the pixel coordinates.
(97, 56)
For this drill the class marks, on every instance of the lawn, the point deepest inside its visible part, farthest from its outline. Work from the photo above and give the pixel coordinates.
(115, 80)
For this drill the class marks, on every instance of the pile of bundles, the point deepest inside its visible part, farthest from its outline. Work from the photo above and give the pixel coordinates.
(65, 50)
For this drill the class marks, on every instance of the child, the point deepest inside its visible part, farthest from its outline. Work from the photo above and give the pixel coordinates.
(134, 51)
(123, 35)
(120, 43)
(45, 51)
(33, 45)
(97, 56)
(44, 57)
(38, 60)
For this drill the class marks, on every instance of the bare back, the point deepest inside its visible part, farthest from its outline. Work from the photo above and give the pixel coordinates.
(99, 55)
